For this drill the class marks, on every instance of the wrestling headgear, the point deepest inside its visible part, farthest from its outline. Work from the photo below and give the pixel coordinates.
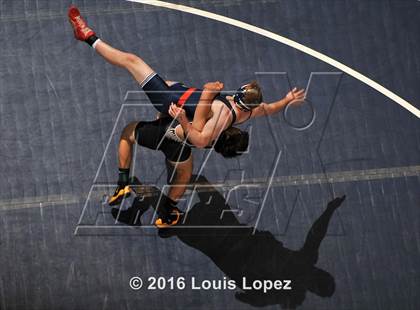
(242, 95)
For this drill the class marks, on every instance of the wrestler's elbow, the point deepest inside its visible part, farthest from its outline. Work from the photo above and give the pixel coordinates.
(268, 109)
(200, 145)
(202, 142)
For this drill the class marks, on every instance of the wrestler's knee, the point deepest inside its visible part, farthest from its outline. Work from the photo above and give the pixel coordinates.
(179, 173)
(131, 59)
(128, 132)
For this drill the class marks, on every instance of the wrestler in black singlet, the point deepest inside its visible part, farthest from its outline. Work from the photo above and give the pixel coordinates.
(152, 135)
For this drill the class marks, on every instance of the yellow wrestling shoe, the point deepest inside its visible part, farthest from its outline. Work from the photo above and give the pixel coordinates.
(120, 194)
(172, 219)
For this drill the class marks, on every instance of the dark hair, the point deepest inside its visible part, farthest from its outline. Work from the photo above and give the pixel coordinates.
(232, 142)
(253, 95)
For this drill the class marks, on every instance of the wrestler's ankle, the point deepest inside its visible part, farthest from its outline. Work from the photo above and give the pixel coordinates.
(93, 40)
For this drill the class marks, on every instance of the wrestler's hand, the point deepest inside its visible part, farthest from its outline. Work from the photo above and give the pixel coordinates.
(178, 113)
(295, 96)
(214, 86)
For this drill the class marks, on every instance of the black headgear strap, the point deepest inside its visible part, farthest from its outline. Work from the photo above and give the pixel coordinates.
(239, 97)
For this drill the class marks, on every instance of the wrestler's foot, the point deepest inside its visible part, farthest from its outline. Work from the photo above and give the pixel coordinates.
(171, 220)
(120, 194)
(81, 31)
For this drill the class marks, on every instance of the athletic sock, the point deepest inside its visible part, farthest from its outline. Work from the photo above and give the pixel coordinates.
(92, 41)
(123, 176)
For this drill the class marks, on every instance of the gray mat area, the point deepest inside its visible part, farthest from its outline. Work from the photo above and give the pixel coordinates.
(59, 104)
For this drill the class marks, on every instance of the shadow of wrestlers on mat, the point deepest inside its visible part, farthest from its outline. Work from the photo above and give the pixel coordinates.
(239, 252)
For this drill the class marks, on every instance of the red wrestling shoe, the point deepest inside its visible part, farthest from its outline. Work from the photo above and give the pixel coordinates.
(81, 30)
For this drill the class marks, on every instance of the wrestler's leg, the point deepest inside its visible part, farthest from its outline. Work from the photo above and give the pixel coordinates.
(125, 147)
(133, 63)
(125, 151)
(168, 213)
(183, 172)
(160, 114)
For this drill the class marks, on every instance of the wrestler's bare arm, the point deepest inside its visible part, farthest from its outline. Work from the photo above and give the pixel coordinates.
(203, 110)
(211, 130)
(294, 96)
